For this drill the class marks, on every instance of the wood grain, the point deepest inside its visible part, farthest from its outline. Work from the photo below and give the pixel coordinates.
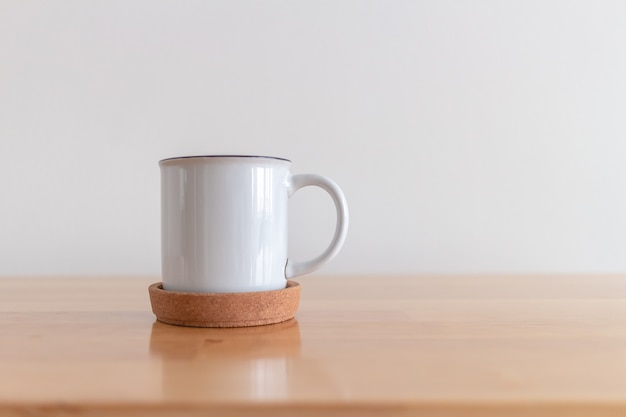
(360, 345)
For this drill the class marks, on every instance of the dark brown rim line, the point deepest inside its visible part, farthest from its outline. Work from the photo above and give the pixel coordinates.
(224, 156)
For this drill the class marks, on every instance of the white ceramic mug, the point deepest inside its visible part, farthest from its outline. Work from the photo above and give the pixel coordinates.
(224, 223)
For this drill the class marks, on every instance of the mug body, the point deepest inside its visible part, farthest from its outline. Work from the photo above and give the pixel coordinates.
(224, 223)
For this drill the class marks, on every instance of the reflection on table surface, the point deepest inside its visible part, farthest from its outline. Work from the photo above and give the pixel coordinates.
(254, 362)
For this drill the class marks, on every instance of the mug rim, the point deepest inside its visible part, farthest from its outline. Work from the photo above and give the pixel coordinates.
(224, 156)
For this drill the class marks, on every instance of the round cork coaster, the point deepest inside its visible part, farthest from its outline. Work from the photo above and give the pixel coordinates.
(224, 309)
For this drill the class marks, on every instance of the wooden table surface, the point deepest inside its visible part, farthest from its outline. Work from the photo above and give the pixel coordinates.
(360, 346)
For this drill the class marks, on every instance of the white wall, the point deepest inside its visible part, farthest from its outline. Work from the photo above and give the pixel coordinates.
(469, 136)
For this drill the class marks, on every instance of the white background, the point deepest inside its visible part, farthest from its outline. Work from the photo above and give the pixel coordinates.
(468, 136)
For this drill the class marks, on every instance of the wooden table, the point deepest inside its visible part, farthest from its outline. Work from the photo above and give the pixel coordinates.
(359, 346)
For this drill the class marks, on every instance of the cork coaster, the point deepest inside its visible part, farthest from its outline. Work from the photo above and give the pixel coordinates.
(224, 309)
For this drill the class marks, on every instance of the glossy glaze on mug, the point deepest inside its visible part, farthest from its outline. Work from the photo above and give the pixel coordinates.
(224, 223)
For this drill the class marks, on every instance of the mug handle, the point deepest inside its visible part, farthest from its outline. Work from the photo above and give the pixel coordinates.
(293, 269)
